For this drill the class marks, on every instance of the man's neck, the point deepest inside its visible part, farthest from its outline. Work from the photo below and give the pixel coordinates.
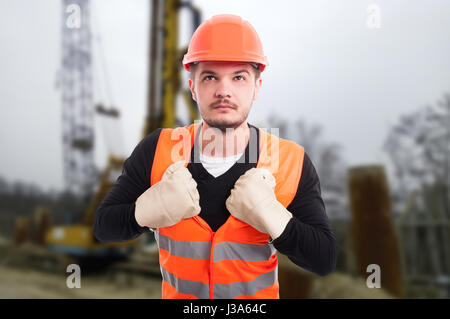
(217, 143)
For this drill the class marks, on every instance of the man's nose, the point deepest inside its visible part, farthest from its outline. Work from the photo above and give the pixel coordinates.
(222, 91)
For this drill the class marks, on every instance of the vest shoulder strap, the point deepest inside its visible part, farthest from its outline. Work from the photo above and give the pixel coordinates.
(173, 145)
(284, 159)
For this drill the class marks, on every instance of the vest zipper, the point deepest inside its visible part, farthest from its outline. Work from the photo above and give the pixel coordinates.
(211, 267)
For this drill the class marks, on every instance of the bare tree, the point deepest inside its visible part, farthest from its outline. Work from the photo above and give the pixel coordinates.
(419, 148)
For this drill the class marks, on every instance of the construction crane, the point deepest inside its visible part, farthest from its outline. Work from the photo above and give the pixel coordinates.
(76, 98)
(164, 85)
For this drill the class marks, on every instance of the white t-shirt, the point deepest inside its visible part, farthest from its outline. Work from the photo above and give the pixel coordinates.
(216, 166)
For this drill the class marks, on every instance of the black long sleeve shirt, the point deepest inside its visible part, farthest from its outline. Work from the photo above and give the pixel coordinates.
(307, 240)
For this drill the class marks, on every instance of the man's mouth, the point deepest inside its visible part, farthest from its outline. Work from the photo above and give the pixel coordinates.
(223, 106)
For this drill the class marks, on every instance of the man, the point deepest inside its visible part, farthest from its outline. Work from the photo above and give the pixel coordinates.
(236, 194)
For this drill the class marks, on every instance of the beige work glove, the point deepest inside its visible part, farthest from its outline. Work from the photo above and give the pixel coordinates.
(173, 198)
(253, 201)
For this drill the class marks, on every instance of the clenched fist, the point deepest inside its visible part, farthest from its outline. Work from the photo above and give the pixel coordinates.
(253, 201)
(173, 198)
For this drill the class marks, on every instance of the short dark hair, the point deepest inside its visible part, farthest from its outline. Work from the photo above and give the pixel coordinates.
(193, 67)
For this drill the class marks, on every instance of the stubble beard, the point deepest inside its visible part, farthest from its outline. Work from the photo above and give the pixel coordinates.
(222, 125)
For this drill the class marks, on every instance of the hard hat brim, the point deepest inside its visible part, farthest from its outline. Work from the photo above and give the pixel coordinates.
(187, 61)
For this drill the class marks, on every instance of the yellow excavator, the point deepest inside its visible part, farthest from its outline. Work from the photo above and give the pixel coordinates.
(78, 240)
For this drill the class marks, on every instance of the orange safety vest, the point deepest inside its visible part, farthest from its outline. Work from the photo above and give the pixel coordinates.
(236, 261)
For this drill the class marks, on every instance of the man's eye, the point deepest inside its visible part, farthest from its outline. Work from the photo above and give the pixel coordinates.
(208, 76)
(239, 76)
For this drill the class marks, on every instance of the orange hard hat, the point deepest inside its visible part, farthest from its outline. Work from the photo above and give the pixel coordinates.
(225, 37)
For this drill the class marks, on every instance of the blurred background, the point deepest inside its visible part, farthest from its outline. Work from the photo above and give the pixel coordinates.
(364, 86)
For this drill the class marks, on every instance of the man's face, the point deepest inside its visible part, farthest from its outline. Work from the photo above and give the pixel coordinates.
(224, 92)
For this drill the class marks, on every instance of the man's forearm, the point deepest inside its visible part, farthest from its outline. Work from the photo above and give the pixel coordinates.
(116, 223)
(311, 248)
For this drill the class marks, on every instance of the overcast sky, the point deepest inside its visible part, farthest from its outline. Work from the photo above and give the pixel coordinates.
(326, 67)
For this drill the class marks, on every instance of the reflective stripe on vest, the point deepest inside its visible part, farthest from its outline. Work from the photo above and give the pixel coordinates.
(188, 249)
(191, 287)
(237, 260)
(247, 288)
(222, 251)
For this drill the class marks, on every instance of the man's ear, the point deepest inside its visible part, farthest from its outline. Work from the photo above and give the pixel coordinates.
(257, 87)
(191, 87)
